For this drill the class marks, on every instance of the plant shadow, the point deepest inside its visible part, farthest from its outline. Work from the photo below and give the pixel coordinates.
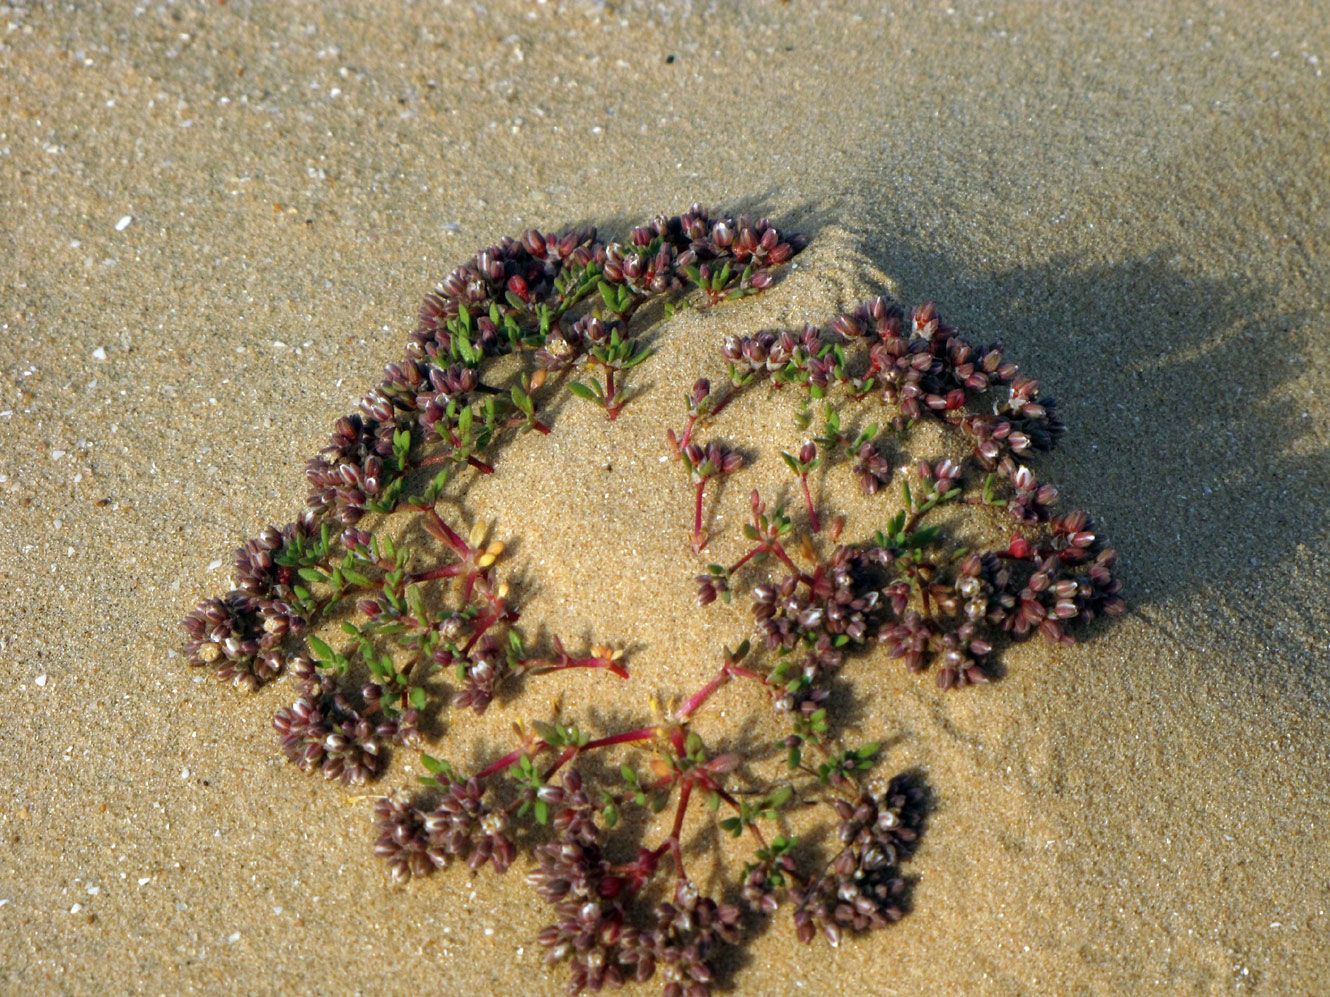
(1185, 439)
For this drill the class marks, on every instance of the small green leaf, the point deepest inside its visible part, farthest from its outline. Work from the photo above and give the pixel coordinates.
(693, 746)
(582, 391)
(323, 653)
(355, 577)
(417, 697)
(523, 401)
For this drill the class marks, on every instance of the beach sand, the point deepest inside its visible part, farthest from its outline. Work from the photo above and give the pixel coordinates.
(1132, 198)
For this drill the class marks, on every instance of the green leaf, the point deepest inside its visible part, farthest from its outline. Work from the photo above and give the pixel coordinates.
(610, 815)
(322, 652)
(355, 577)
(548, 732)
(722, 278)
(542, 812)
(439, 766)
(582, 391)
(693, 746)
(417, 697)
(523, 401)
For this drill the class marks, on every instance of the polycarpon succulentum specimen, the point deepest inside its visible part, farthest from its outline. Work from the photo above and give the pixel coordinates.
(377, 633)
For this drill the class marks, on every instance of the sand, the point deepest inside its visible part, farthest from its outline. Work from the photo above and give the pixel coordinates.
(217, 225)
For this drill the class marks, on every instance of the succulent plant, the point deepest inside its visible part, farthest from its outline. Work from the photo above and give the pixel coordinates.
(569, 307)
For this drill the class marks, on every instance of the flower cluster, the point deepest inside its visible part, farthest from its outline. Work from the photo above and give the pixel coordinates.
(862, 888)
(321, 731)
(464, 824)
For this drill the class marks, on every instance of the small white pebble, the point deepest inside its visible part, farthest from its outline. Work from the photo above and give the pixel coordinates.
(57, 454)
(214, 565)
(76, 908)
(488, 932)
(99, 353)
(94, 890)
(233, 937)
(184, 773)
(145, 881)
(41, 681)
(124, 223)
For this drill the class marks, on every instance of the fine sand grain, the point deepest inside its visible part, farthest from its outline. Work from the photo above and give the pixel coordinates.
(217, 224)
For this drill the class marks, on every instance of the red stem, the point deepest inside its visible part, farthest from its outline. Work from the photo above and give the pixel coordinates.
(484, 625)
(698, 540)
(687, 433)
(808, 499)
(685, 791)
(779, 551)
(720, 406)
(499, 764)
(728, 670)
(447, 534)
(546, 666)
(759, 549)
(611, 410)
(701, 696)
(447, 571)
(625, 737)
